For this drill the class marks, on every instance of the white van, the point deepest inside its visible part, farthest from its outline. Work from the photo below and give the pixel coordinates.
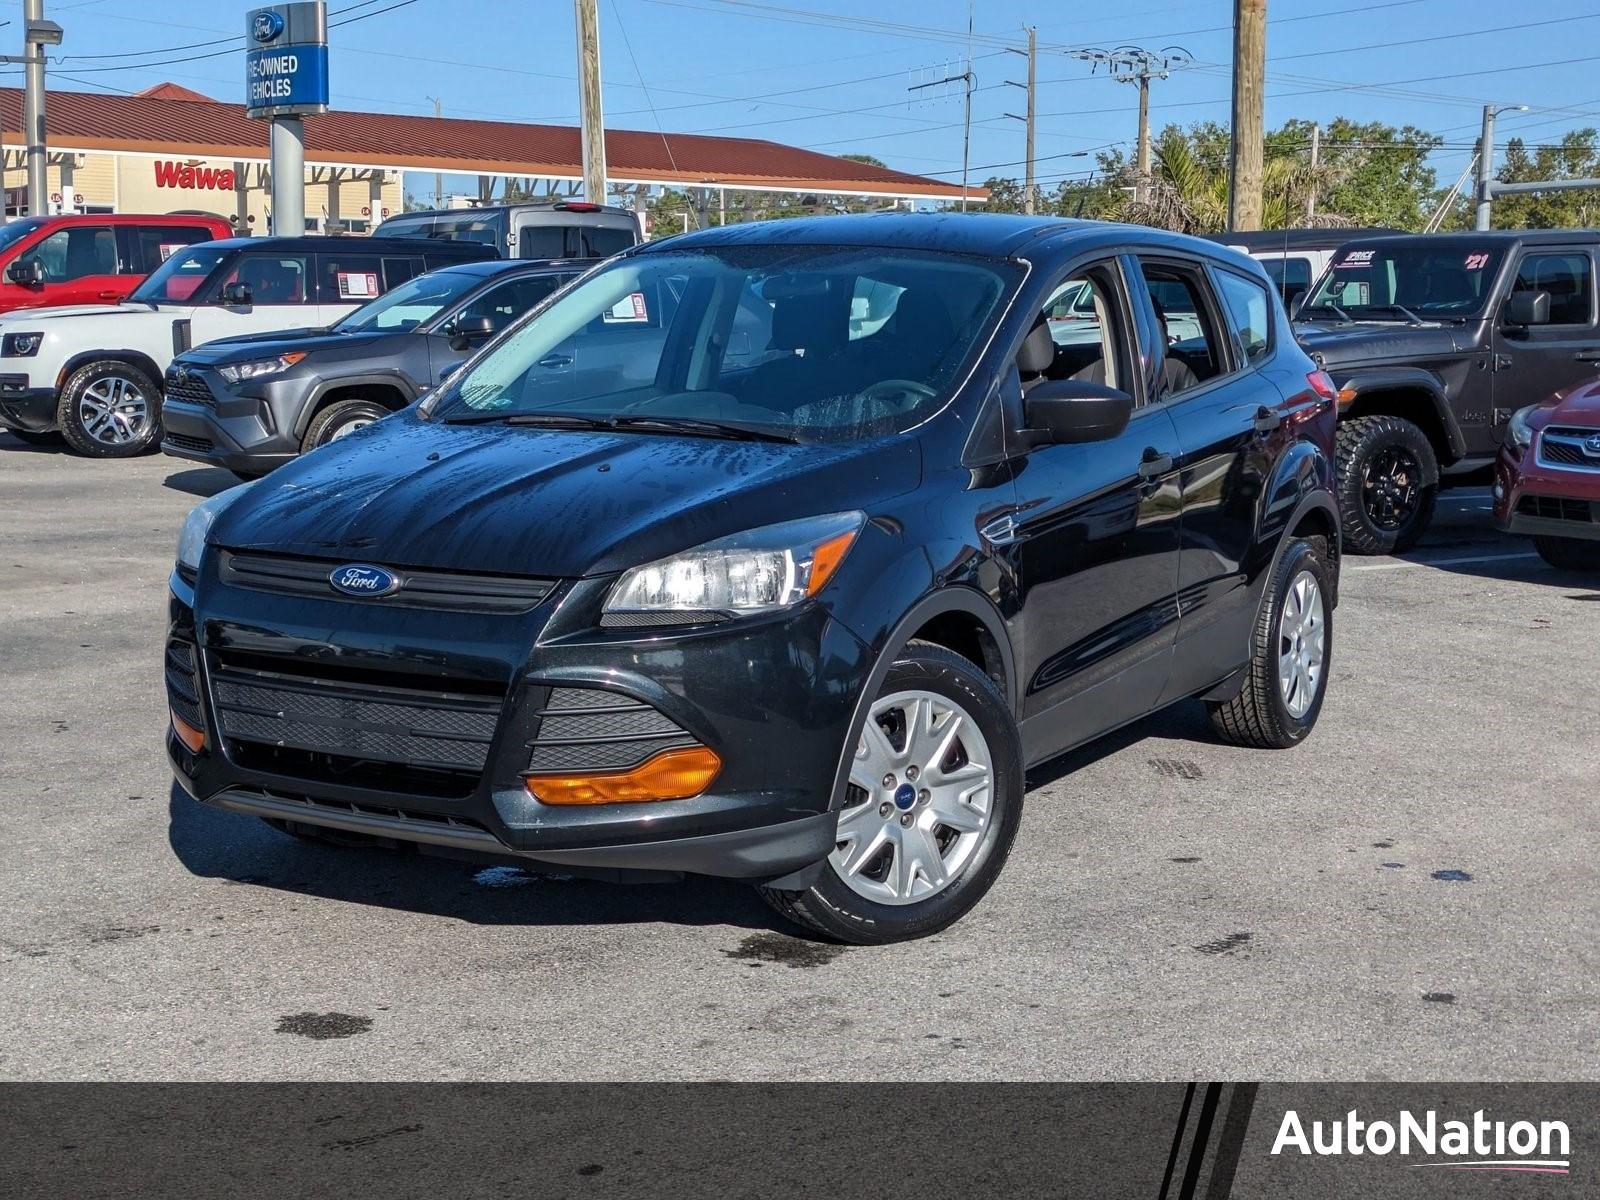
(93, 373)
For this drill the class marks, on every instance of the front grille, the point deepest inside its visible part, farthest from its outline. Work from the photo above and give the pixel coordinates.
(586, 729)
(350, 722)
(1563, 446)
(183, 686)
(418, 588)
(184, 442)
(190, 389)
(1556, 508)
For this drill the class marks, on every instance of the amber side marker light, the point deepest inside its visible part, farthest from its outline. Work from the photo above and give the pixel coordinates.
(825, 560)
(187, 733)
(670, 775)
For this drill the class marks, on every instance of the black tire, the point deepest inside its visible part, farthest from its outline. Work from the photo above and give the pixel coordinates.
(115, 432)
(1260, 716)
(1568, 554)
(340, 418)
(1388, 483)
(832, 908)
(50, 437)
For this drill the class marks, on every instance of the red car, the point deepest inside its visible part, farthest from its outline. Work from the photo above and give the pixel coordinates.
(91, 259)
(1547, 479)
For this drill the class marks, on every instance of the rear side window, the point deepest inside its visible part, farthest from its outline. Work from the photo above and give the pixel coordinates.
(273, 278)
(1566, 278)
(352, 278)
(76, 252)
(572, 241)
(1248, 309)
(398, 270)
(148, 246)
(504, 304)
(1290, 274)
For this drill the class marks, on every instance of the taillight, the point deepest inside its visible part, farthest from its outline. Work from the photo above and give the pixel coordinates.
(1322, 385)
(577, 206)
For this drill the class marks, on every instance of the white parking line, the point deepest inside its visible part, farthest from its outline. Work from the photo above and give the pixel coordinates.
(1444, 562)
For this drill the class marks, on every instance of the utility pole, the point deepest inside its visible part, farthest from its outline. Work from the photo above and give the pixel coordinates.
(37, 34)
(1132, 64)
(1032, 54)
(967, 78)
(594, 129)
(438, 179)
(1249, 77)
(1486, 161)
(1316, 159)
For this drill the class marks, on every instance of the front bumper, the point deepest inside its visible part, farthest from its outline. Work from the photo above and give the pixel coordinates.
(206, 421)
(1536, 498)
(24, 407)
(772, 697)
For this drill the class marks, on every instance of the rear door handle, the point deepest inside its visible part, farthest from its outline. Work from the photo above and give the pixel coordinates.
(1267, 419)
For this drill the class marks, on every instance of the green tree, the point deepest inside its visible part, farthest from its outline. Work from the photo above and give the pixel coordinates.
(1576, 156)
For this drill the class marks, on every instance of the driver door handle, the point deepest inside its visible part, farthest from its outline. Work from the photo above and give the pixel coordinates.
(1267, 419)
(553, 361)
(1588, 356)
(1154, 464)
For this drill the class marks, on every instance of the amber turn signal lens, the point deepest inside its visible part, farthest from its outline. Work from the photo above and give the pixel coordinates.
(826, 558)
(670, 775)
(187, 733)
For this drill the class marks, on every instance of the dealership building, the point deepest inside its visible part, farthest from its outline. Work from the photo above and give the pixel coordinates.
(170, 149)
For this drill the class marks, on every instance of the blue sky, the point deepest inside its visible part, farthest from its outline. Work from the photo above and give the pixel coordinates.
(833, 74)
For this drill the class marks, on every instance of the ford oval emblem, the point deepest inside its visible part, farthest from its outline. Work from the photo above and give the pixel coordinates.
(267, 25)
(357, 579)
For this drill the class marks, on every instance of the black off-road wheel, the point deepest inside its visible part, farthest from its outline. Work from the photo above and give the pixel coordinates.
(110, 409)
(1568, 554)
(1388, 482)
(339, 418)
(930, 810)
(1291, 652)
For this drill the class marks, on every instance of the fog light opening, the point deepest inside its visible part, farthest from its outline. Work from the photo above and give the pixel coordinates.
(670, 775)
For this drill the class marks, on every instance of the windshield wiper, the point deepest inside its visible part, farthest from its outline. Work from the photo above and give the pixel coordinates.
(704, 427)
(1402, 310)
(1339, 312)
(555, 420)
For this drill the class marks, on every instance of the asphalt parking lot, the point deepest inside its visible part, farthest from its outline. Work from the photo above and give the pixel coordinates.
(1412, 894)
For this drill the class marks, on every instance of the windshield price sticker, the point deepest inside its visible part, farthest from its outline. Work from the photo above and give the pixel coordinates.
(358, 284)
(1477, 262)
(630, 309)
(1357, 260)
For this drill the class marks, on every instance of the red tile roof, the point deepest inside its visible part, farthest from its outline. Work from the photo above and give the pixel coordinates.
(161, 121)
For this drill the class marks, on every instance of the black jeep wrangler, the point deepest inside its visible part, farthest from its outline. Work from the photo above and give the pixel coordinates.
(1434, 341)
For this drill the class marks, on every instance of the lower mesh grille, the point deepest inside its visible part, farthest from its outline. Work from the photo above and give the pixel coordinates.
(1556, 508)
(183, 689)
(183, 442)
(586, 729)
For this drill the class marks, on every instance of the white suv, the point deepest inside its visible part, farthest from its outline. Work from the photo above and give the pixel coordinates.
(93, 373)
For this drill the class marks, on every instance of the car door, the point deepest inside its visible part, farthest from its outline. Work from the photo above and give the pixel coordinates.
(501, 303)
(1533, 362)
(281, 297)
(1229, 417)
(1093, 543)
(79, 264)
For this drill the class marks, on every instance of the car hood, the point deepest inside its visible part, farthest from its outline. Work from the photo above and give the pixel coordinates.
(1347, 342)
(407, 492)
(278, 341)
(101, 312)
(1580, 406)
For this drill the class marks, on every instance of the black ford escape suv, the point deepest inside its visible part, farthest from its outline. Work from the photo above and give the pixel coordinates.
(776, 552)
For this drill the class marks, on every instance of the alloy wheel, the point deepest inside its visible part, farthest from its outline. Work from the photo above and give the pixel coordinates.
(114, 411)
(1391, 487)
(1302, 644)
(348, 427)
(919, 802)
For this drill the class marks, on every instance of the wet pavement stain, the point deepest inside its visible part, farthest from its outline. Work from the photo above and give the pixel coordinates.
(1176, 768)
(1393, 866)
(1225, 945)
(761, 948)
(590, 1169)
(322, 1026)
(502, 877)
(1383, 845)
(1439, 997)
(1453, 876)
(355, 1143)
(120, 933)
(1184, 859)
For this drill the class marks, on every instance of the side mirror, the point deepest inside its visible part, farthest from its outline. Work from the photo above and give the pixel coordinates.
(29, 272)
(237, 295)
(464, 331)
(1527, 308)
(1292, 295)
(1072, 411)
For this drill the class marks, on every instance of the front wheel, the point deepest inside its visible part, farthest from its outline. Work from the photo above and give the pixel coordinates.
(1568, 554)
(1388, 481)
(930, 810)
(110, 409)
(338, 419)
(1291, 651)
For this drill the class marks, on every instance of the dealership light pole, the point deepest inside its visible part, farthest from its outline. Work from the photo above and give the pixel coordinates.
(1486, 161)
(37, 34)
(589, 105)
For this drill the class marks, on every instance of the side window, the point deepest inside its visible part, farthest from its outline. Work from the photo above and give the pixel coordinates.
(1566, 278)
(272, 278)
(352, 278)
(1079, 334)
(1249, 314)
(73, 253)
(504, 304)
(152, 245)
(1193, 341)
(542, 241)
(398, 270)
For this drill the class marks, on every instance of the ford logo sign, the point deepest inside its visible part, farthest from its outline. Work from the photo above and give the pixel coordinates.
(267, 25)
(356, 579)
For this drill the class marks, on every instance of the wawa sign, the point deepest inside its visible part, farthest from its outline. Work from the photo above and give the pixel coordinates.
(182, 175)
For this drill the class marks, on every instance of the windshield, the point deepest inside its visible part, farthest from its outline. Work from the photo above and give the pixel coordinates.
(805, 343)
(409, 305)
(1438, 280)
(179, 278)
(14, 231)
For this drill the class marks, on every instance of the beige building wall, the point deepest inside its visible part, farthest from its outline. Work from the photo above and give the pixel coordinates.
(136, 184)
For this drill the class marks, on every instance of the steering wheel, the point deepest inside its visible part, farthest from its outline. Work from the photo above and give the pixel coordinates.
(887, 390)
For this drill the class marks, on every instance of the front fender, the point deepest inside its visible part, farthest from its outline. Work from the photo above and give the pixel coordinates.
(398, 380)
(1370, 381)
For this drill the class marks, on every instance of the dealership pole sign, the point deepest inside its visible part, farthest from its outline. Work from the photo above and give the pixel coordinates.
(286, 60)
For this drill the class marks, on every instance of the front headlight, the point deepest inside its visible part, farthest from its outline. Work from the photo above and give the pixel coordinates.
(192, 540)
(760, 570)
(20, 345)
(1519, 432)
(239, 372)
